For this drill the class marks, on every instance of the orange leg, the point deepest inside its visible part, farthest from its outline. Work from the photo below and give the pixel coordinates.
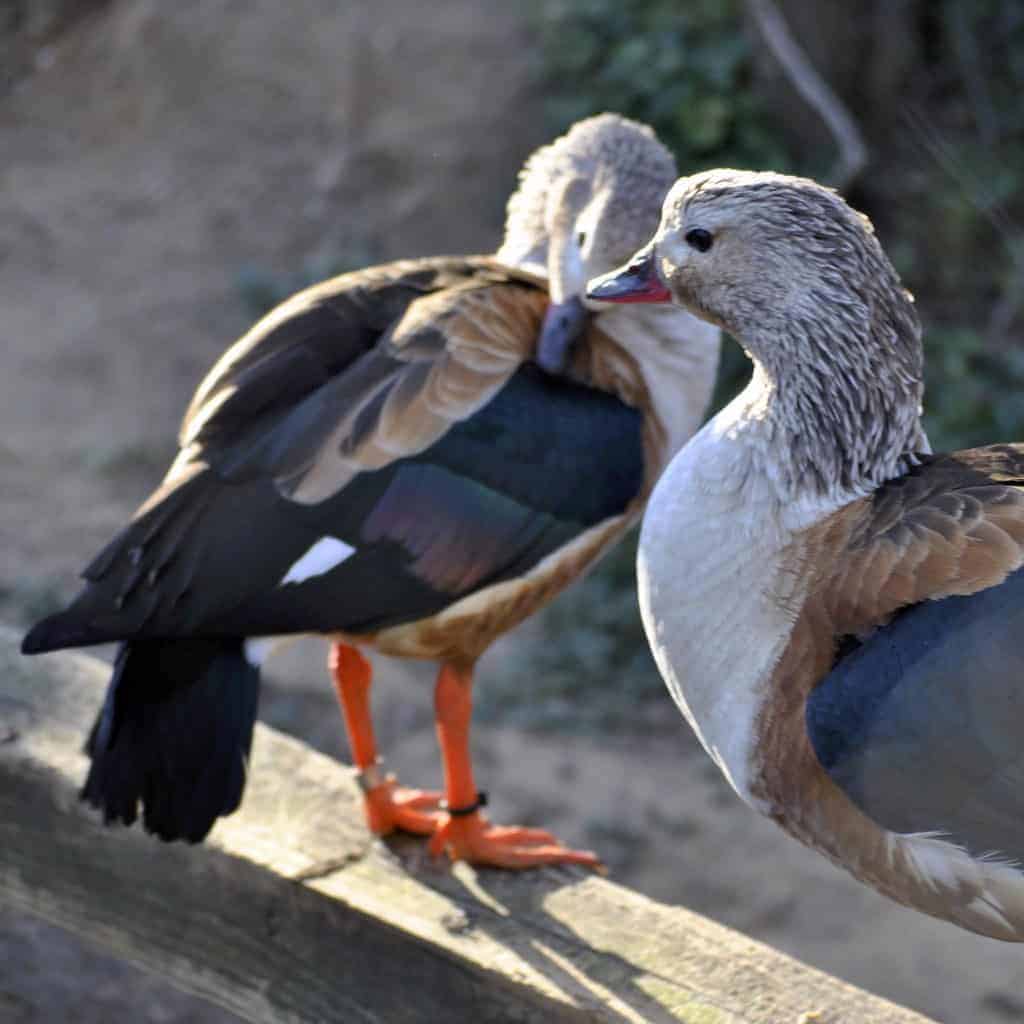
(388, 806)
(465, 833)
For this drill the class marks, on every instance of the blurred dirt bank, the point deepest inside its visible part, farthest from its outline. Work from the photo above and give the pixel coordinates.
(158, 150)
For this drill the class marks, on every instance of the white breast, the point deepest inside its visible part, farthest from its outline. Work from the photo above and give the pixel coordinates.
(717, 605)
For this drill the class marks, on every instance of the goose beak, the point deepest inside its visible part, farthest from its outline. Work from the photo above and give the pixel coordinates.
(563, 324)
(638, 281)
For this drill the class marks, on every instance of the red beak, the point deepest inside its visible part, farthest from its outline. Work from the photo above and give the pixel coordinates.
(637, 282)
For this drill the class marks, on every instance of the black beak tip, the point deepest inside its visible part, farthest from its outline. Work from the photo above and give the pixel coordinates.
(607, 286)
(553, 359)
(563, 325)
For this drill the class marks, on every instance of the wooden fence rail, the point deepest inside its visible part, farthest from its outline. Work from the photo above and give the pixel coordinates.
(292, 913)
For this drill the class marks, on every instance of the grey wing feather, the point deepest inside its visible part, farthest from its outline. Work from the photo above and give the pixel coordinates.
(922, 725)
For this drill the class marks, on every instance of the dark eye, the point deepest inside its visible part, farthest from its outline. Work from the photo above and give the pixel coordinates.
(581, 239)
(699, 239)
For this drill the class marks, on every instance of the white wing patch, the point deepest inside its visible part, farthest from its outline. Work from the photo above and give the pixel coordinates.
(322, 557)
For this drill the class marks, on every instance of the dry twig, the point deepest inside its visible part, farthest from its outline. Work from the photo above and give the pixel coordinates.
(853, 153)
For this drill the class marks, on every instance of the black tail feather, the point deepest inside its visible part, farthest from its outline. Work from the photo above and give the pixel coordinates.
(174, 734)
(56, 632)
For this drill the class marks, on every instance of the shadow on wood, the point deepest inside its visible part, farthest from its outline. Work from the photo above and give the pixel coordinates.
(291, 912)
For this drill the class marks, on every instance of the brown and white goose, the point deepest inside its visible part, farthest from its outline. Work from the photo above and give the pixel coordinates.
(381, 460)
(836, 611)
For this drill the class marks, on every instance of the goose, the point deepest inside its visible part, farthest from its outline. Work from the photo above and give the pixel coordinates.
(412, 459)
(836, 610)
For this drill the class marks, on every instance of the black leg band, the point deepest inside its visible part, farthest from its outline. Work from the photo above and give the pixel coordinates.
(461, 812)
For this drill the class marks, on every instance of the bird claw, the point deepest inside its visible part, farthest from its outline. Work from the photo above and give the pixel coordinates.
(390, 806)
(472, 838)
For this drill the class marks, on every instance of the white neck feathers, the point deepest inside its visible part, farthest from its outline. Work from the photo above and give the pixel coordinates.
(717, 601)
(678, 357)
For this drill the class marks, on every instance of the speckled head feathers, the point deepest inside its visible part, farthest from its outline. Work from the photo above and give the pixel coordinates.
(779, 246)
(601, 183)
(801, 281)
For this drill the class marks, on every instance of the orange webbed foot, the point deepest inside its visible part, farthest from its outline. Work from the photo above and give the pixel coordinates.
(389, 806)
(471, 837)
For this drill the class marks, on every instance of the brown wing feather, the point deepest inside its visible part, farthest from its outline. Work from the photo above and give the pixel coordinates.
(953, 525)
(358, 371)
(448, 356)
(320, 330)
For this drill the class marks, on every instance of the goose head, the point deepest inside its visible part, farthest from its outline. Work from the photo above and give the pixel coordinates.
(800, 280)
(584, 204)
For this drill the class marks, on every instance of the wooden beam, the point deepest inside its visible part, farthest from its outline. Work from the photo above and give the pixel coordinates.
(292, 913)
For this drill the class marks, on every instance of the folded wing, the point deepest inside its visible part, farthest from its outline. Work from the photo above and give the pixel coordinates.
(351, 485)
(921, 719)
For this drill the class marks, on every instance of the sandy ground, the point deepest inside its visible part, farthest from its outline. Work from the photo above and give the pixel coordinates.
(159, 152)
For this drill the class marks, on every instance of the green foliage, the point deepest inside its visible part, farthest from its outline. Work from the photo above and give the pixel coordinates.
(683, 68)
(974, 391)
(955, 208)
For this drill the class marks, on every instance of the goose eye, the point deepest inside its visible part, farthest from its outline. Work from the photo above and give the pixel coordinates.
(699, 239)
(581, 239)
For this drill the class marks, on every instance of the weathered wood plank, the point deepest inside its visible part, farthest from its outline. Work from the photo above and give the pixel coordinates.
(291, 912)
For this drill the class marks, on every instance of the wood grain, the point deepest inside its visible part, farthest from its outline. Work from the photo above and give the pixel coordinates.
(292, 913)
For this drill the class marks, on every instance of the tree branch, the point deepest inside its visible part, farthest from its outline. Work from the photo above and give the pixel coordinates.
(815, 91)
